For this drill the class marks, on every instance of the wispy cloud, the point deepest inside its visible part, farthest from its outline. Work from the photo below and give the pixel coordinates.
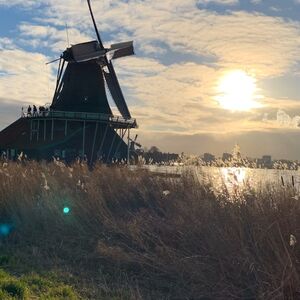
(285, 120)
(27, 78)
(24, 3)
(223, 2)
(51, 37)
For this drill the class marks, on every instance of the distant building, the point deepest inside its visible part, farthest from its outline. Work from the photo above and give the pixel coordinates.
(226, 156)
(207, 157)
(236, 153)
(266, 161)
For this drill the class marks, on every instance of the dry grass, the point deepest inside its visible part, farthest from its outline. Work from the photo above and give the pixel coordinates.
(125, 238)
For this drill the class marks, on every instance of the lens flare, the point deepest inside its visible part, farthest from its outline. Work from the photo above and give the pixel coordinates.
(66, 210)
(5, 229)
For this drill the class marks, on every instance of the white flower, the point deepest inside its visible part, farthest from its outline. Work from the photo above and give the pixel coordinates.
(58, 163)
(46, 186)
(81, 185)
(293, 240)
(20, 156)
(166, 193)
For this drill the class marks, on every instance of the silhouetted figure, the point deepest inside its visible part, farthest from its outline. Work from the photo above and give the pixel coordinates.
(42, 111)
(34, 111)
(22, 114)
(29, 111)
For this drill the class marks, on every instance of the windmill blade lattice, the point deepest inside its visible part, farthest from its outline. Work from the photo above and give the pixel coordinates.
(115, 90)
(95, 25)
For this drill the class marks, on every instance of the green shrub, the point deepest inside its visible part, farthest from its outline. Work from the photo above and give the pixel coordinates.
(33, 286)
(14, 288)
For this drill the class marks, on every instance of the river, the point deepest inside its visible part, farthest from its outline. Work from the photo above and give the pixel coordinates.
(233, 177)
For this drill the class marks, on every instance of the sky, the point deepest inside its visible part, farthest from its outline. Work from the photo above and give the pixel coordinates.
(184, 49)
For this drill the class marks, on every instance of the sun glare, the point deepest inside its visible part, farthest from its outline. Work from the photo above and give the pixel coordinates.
(237, 91)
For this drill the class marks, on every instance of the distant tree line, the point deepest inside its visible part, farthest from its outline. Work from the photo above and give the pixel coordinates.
(154, 155)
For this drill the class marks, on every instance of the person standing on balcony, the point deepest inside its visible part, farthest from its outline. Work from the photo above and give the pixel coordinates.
(34, 111)
(41, 111)
(29, 111)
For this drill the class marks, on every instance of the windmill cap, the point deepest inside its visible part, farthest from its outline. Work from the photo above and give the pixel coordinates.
(83, 52)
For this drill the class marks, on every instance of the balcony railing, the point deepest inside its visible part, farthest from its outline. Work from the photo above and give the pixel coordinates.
(87, 116)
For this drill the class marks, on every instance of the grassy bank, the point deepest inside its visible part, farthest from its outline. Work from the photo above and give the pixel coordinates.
(117, 234)
(32, 286)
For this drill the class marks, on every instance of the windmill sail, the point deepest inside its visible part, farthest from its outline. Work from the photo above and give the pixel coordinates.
(115, 90)
(95, 25)
(120, 50)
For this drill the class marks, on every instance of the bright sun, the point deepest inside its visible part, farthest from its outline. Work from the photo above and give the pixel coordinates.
(237, 91)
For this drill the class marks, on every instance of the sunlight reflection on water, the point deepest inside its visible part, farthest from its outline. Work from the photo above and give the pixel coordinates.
(254, 178)
(236, 177)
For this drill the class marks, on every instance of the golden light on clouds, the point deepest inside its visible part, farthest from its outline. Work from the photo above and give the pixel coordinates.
(237, 91)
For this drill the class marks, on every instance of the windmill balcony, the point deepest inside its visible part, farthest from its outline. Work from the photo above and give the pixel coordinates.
(115, 121)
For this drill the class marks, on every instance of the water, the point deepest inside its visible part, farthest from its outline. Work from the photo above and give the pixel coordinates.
(233, 177)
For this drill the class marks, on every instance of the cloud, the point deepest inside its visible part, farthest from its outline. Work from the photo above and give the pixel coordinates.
(256, 1)
(22, 3)
(281, 119)
(56, 40)
(285, 120)
(266, 45)
(222, 2)
(27, 78)
(175, 91)
(6, 43)
(262, 45)
(9, 112)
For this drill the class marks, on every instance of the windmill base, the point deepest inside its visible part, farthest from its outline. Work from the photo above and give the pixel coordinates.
(67, 139)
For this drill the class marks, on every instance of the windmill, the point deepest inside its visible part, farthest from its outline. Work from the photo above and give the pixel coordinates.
(134, 144)
(80, 121)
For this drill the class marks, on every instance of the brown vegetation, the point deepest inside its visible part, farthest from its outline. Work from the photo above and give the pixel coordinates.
(133, 235)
